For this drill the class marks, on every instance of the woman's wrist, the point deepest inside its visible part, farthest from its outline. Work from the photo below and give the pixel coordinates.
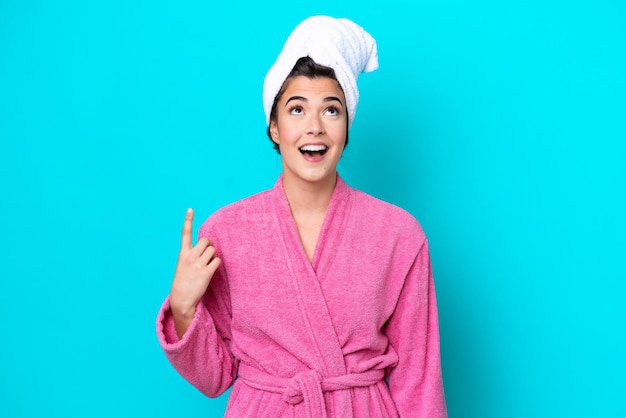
(182, 318)
(182, 310)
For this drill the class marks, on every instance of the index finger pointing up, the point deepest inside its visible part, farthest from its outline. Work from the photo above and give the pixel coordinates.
(186, 242)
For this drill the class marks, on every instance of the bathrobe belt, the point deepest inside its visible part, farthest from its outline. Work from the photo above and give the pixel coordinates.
(307, 386)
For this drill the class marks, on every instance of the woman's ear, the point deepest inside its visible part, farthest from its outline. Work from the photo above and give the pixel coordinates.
(274, 132)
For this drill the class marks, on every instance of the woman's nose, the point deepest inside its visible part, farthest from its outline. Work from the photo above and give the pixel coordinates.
(315, 125)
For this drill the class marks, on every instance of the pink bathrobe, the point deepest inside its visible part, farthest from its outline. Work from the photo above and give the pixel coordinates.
(353, 333)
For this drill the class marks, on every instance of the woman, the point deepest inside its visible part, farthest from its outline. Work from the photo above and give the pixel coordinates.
(313, 299)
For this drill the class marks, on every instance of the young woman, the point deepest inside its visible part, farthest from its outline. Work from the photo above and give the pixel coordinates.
(313, 299)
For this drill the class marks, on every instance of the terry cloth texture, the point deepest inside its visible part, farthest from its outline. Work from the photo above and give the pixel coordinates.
(337, 43)
(315, 338)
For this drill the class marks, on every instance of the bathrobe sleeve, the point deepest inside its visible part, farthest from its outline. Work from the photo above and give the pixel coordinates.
(203, 356)
(415, 382)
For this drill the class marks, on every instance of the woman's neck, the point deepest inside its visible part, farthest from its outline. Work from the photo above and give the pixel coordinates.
(308, 197)
(309, 202)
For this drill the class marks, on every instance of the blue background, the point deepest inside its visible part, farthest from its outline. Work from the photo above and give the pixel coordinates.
(499, 125)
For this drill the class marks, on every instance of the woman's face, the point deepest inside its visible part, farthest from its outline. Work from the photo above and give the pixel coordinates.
(310, 129)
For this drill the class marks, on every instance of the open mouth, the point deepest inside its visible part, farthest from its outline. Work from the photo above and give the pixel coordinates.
(314, 150)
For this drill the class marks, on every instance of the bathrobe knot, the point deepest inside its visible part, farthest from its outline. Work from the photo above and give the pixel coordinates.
(308, 386)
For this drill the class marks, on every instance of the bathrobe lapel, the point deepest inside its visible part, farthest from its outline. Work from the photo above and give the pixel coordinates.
(307, 276)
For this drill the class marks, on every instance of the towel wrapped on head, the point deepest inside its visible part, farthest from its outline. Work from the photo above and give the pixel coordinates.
(339, 44)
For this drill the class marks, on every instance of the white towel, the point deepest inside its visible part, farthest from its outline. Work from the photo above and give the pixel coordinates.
(337, 43)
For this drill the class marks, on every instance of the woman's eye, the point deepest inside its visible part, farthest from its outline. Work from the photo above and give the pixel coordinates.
(332, 111)
(296, 110)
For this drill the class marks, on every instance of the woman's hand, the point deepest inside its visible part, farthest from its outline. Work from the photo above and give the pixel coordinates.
(194, 271)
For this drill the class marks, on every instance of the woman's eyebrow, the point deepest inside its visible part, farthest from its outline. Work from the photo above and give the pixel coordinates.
(304, 99)
(332, 99)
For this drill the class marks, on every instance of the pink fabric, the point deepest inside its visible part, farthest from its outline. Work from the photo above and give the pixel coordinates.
(308, 386)
(315, 338)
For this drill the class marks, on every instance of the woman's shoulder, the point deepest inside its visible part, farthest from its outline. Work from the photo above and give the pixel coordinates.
(233, 215)
(388, 216)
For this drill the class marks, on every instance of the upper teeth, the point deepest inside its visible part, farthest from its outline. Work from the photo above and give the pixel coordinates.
(313, 148)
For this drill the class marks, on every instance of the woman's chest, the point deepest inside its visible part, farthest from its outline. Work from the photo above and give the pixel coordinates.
(279, 289)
